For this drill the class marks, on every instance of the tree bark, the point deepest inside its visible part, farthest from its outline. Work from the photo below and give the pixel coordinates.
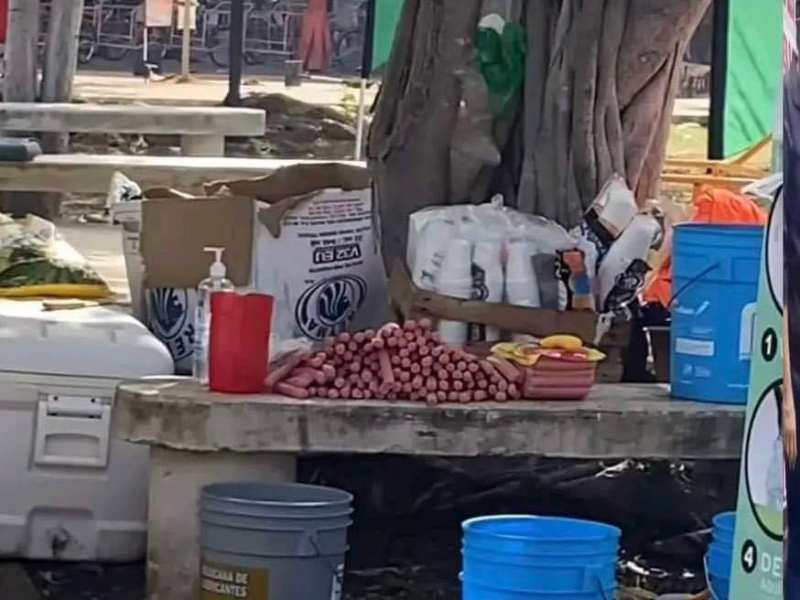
(61, 62)
(409, 145)
(20, 85)
(601, 76)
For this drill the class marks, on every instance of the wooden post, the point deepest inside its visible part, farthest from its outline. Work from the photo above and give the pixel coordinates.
(20, 52)
(61, 61)
(236, 50)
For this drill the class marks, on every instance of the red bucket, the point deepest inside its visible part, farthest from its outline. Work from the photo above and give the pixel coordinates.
(239, 344)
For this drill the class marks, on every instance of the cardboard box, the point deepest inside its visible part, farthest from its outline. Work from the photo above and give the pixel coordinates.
(304, 234)
(175, 229)
(176, 226)
(411, 302)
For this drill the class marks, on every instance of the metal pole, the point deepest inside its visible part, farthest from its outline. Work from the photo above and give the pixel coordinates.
(145, 48)
(187, 39)
(362, 106)
(366, 71)
(236, 50)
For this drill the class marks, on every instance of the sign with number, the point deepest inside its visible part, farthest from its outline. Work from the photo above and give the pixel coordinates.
(757, 563)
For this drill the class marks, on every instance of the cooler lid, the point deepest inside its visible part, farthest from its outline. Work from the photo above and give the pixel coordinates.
(84, 342)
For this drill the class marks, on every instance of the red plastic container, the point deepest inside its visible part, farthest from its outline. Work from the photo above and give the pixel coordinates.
(239, 344)
(559, 380)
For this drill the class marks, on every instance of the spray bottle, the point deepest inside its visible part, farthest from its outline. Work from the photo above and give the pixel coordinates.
(215, 282)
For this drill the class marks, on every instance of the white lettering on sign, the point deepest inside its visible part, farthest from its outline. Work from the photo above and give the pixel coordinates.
(694, 347)
(772, 565)
(233, 584)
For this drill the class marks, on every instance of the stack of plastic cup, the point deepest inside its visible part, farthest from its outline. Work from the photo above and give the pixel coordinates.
(522, 286)
(488, 280)
(430, 254)
(455, 279)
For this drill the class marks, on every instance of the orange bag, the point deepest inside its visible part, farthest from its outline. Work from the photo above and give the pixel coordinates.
(711, 205)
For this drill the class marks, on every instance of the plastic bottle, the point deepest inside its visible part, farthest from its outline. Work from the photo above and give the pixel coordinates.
(215, 282)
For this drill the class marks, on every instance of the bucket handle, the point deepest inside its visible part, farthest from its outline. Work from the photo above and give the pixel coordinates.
(311, 537)
(691, 282)
(708, 578)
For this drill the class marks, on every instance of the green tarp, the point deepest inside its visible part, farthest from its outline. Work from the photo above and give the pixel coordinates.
(387, 16)
(747, 74)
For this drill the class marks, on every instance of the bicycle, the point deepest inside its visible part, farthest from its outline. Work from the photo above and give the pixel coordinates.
(120, 29)
(348, 39)
(87, 42)
(210, 35)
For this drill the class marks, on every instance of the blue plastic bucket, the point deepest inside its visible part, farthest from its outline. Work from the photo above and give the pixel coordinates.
(720, 555)
(715, 287)
(724, 528)
(720, 587)
(476, 591)
(719, 560)
(513, 557)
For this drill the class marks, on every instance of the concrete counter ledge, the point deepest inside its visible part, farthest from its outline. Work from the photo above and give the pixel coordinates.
(616, 421)
(198, 438)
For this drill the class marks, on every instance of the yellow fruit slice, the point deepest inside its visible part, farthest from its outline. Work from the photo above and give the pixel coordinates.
(504, 350)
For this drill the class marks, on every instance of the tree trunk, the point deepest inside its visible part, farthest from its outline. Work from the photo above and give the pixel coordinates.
(601, 76)
(21, 50)
(61, 61)
(20, 85)
(410, 139)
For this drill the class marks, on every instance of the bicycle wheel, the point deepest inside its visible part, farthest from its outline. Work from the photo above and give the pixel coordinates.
(114, 53)
(219, 55)
(255, 58)
(347, 46)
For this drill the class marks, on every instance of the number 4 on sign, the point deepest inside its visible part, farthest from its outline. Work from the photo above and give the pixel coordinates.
(749, 556)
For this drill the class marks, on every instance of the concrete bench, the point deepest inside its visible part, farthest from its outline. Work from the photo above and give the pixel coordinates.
(202, 129)
(90, 173)
(198, 438)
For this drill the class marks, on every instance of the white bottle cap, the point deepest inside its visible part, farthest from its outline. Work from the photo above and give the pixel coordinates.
(217, 269)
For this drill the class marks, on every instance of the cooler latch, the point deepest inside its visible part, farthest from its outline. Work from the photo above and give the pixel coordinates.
(72, 431)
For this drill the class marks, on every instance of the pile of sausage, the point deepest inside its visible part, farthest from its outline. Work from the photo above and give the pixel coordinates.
(406, 362)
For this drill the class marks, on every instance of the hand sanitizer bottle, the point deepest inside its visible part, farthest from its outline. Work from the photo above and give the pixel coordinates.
(215, 282)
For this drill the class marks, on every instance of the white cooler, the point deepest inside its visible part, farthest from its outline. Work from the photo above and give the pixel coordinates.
(68, 490)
